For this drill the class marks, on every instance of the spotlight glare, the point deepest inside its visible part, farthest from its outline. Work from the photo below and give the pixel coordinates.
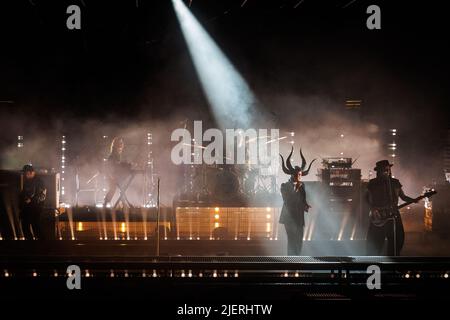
(227, 92)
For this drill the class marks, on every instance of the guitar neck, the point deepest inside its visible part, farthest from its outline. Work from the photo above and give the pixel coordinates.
(409, 202)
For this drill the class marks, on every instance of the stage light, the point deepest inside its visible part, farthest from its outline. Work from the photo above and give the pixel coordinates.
(216, 209)
(446, 275)
(236, 274)
(225, 274)
(407, 276)
(87, 274)
(216, 216)
(34, 274)
(228, 94)
(190, 274)
(126, 274)
(6, 274)
(215, 274)
(296, 275)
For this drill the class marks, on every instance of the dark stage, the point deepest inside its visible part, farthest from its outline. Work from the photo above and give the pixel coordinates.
(176, 154)
(191, 279)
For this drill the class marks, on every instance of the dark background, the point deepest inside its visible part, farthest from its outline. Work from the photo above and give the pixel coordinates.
(129, 63)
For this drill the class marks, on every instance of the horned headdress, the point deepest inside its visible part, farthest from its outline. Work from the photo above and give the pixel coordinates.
(288, 169)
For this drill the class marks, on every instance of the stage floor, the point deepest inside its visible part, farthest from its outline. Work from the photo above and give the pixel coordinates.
(193, 279)
(217, 271)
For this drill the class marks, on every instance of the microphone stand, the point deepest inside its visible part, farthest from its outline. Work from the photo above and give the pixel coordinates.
(394, 218)
(157, 222)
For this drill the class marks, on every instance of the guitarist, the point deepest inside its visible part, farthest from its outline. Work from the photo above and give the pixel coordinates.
(31, 203)
(383, 194)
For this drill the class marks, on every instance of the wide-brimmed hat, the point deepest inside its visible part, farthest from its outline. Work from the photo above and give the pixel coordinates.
(382, 164)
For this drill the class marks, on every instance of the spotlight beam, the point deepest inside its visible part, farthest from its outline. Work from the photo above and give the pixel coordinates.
(229, 96)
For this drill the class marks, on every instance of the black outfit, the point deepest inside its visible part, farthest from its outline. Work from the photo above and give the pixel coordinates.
(378, 197)
(30, 213)
(292, 215)
(116, 172)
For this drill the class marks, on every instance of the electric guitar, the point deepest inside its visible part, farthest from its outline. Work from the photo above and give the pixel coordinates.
(380, 216)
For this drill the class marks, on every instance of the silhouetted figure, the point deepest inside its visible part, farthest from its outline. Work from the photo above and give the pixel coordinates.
(116, 170)
(294, 204)
(31, 203)
(382, 196)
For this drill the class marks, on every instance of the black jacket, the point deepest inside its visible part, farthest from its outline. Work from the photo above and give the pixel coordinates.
(378, 193)
(294, 204)
(33, 189)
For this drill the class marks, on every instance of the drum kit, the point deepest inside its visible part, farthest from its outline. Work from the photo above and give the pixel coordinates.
(223, 183)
